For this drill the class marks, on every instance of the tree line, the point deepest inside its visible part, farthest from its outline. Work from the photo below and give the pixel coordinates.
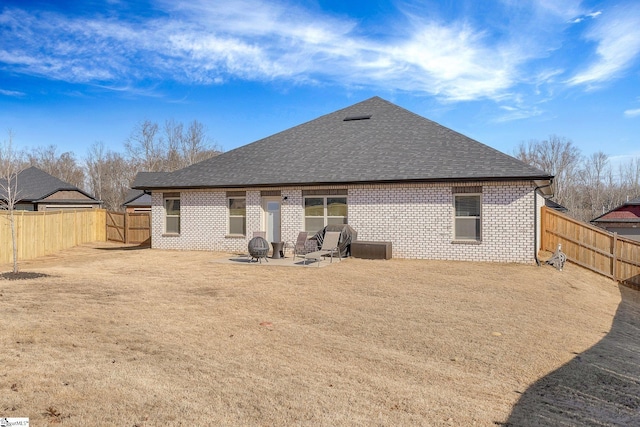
(107, 174)
(587, 185)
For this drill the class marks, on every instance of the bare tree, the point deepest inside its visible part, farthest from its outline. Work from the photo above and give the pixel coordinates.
(196, 147)
(595, 184)
(149, 148)
(110, 175)
(173, 136)
(96, 168)
(10, 161)
(62, 166)
(117, 183)
(629, 180)
(557, 156)
(144, 147)
(171, 148)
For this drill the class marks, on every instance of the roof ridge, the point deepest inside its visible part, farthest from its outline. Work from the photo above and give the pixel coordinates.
(393, 145)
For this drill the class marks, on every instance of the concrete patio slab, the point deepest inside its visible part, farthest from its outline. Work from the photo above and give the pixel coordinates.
(287, 261)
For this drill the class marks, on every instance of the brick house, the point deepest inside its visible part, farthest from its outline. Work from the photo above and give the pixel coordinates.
(624, 220)
(390, 174)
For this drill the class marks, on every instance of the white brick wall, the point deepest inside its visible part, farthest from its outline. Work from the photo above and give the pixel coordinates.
(417, 218)
(292, 214)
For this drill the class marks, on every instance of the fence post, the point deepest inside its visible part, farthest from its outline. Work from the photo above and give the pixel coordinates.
(543, 228)
(614, 268)
(126, 227)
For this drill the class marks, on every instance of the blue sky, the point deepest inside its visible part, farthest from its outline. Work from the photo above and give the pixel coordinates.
(502, 72)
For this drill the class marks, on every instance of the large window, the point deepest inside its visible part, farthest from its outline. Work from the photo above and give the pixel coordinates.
(172, 213)
(467, 216)
(237, 215)
(321, 211)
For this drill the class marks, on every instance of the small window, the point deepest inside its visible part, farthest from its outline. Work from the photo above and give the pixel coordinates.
(322, 211)
(467, 216)
(238, 215)
(172, 214)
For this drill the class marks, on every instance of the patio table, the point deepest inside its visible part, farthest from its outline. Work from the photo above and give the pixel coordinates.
(277, 250)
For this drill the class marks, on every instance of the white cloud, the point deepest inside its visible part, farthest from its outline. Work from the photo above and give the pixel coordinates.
(11, 93)
(202, 42)
(517, 113)
(632, 113)
(452, 61)
(618, 45)
(588, 15)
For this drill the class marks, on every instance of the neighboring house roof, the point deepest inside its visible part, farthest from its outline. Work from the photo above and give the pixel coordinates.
(35, 185)
(373, 141)
(556, 206)
(136, 197)
(627, 212)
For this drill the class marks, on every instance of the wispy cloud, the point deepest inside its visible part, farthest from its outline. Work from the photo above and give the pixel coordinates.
(11, 93)
(587, 16)
(632, 113)
(618, 45)
(202, 42)
(511, 113)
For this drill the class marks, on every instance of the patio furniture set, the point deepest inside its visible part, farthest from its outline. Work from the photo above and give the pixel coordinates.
(329, 246)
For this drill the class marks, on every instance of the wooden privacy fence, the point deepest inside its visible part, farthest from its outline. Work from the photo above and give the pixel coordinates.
(592, 247)
(44, 233)
(127, 227)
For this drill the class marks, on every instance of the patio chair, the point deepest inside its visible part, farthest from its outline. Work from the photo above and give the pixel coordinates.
(299, 247)
(329, 247)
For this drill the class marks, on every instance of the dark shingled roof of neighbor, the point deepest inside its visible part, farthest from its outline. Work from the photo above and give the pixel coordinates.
(34, 184)
(138, 197)
(379, 142)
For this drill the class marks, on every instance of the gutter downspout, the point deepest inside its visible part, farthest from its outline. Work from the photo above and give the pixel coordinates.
(535, 218)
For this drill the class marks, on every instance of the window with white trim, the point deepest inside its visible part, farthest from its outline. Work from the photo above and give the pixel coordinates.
(468, 216)
(320, 211)
(172, 213)
(237, 215)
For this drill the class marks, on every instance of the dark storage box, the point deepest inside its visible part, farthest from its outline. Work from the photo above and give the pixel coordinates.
(371, 250)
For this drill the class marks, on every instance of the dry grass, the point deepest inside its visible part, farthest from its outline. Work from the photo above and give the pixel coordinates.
(147, 338)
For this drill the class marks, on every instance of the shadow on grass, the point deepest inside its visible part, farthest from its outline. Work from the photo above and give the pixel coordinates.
(126, 248)
(599, 387)
(21, 275)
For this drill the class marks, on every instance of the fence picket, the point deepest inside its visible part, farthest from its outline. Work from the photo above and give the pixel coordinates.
(591, 247)
(44, 233)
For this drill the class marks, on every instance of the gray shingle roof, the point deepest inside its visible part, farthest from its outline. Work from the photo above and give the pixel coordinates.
(137, 197)
(34, 184)
(635, 201)
(392, 145)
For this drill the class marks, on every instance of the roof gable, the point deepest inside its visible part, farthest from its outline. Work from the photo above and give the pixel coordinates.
(628, 211)
(34, 184)
(136, 197)
(379, 142)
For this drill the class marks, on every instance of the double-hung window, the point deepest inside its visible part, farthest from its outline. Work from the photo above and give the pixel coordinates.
(172, 213)
(468, 213)
(237, 203)
(320, 211)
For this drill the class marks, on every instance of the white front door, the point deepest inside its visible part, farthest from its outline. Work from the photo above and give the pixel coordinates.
(271, 207)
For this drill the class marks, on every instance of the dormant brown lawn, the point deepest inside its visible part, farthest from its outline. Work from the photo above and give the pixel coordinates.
(146, 338)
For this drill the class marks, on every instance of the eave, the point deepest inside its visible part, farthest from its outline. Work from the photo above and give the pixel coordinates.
(540, 181)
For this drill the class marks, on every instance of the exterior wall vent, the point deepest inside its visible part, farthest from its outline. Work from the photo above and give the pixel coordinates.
(353, 118)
